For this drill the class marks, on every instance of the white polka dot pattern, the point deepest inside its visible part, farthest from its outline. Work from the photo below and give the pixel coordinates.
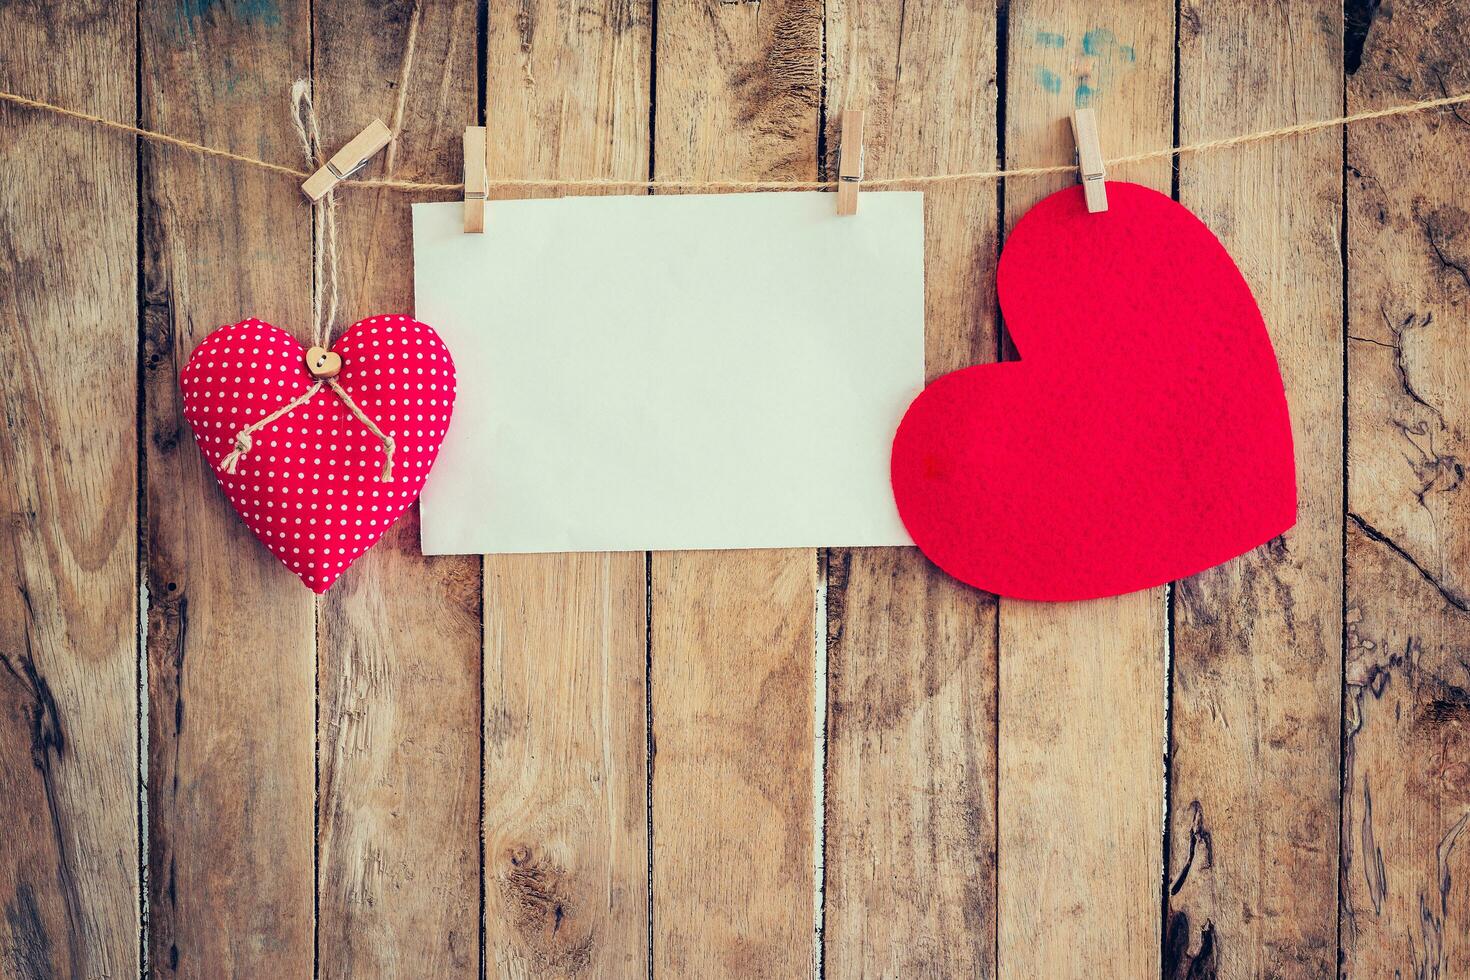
(308, 488)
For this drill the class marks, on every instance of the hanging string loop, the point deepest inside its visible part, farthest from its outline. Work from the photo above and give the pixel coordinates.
(326, 283)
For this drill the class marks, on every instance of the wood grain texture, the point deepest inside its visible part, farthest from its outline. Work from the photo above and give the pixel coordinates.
(1406, 802)
(733, 633)
(910, 874)
(1257, 655)
(565, 777)
(1082, 684)
(946, 854)
(566, 796)
(398, 735)
(732, 773)
(1406, 797)
(68, 500)
(231, 669)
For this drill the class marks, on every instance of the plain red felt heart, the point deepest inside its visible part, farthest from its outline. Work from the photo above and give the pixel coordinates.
(1143, 435)
(309, 485)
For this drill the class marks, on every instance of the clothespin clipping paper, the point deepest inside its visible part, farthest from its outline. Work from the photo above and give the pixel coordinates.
(850, 161)
(476, 180)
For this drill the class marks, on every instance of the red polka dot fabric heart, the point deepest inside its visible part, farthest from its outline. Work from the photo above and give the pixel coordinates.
(308, 483)
(1143, 435)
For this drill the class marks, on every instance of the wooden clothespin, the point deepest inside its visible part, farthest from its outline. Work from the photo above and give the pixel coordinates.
(348, 160)
(850, 161)
(1090, 160)
(476, 180)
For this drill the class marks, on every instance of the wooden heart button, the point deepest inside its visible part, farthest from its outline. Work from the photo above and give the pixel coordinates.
(323, 363)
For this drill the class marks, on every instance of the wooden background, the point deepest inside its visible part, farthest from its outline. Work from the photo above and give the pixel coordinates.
(758, 764)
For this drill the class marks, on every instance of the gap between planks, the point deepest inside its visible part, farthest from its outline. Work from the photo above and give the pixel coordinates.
(819, 763)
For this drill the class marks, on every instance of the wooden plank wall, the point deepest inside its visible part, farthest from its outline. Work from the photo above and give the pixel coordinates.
(1406, 718)
(69, 706)
(769, 764)
(910, 876)
(1082, 684)
(1257, 642)
(738, 94)
(398, 645)
(566, 719)
(230, 639)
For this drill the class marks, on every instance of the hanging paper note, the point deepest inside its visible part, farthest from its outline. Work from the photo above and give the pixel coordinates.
(674, 372)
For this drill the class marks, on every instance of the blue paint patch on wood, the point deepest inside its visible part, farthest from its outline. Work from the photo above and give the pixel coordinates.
(1097, 40)
(1090, 63)
(190, 15)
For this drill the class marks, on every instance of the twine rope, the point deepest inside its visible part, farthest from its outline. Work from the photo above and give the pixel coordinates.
(323, 215)
(386, 475)
(243, 440)
(324, 252)
(909, 180)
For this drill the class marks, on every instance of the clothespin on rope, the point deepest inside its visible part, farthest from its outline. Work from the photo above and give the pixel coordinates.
(1090, 160)
(850, 161)
(348, 160)
(476, 179)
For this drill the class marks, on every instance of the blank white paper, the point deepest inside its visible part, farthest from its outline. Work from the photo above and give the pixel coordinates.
(672, 372)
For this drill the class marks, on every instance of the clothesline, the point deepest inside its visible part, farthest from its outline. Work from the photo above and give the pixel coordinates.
(911, 180)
